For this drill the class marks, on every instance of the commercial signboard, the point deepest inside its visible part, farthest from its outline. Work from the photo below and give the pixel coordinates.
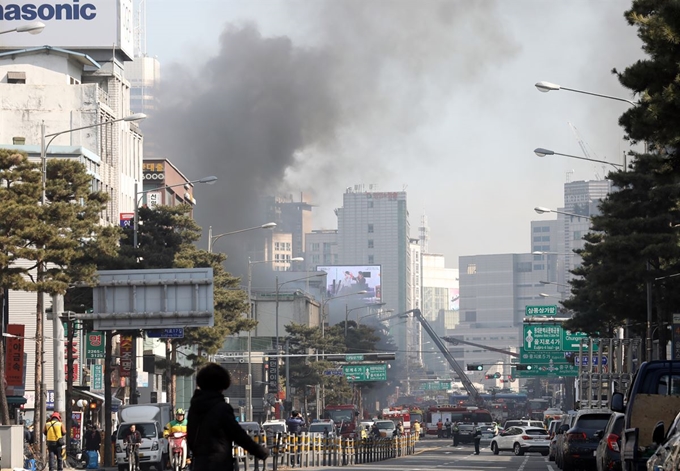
(14, 355)
(95, 347)
(273, 367)
(343, 280)
(127, 219)
(97, 378)
(126, 360)
(70, 24)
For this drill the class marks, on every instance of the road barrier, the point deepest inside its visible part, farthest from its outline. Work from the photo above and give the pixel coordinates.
(303, 450)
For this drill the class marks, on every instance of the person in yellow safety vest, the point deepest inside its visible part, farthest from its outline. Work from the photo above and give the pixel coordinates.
(364, 433)
(54, 432)
(416, 429)
(178, 425)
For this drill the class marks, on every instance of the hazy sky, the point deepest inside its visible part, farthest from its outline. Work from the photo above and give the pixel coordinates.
(435, 97)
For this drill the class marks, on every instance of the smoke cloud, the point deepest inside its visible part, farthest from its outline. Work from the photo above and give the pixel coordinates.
(268, 115)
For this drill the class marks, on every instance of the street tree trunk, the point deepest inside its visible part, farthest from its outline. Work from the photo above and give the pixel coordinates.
(39, 407)
(71, 326)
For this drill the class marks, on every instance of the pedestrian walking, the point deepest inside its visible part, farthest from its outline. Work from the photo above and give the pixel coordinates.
(477, 437)
(440, 428)
(54, 432)
(212, 427)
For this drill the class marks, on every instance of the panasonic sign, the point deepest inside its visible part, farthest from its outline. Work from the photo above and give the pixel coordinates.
(47, 11)
(70, 24)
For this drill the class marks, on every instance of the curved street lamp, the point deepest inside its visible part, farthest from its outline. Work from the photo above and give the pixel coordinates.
(546, 87)
(214, 238)
(542, 210)
(542, 152)
(35, 27)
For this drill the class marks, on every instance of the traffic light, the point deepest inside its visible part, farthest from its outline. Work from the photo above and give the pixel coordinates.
(524, 367)
(496, 375)
(475, 367)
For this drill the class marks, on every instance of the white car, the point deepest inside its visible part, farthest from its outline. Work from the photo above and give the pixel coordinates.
(322, 429)
(522, 440)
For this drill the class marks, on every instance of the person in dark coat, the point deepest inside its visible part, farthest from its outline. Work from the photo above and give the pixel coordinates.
(212, 427)
(93, 438)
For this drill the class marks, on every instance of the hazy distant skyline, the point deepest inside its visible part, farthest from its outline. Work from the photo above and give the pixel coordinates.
(434, 97)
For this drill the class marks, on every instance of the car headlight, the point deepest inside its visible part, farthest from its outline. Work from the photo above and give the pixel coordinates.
(154, 446)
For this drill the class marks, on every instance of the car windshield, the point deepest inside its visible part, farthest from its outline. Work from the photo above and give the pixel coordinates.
(147, 430)
(320, 428)
(535, 431)
(343, 415)
(250, 426)
(535, 423)
(385, 425)
(275, 428)
(594, 421)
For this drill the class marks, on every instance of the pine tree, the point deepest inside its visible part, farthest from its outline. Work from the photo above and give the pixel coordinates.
(636, 238)
(45, 248)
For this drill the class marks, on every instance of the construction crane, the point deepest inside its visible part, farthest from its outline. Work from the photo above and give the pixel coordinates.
(454, 341)
(467, 384)
(584, 147)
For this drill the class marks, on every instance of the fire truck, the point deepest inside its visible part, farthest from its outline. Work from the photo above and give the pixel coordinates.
(344, 416)
(396, 415)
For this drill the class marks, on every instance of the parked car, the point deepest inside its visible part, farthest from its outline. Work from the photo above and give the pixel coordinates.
(552, 435)
(251, 427)
(667, 455)
(567, 421)
(272, 427)
(581, 440)
(523, 423)
(386, 428)
(323, 429)
(608, 453)
(653, 396)
(521, 440)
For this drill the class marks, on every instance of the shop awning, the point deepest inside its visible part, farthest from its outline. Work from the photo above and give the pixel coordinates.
(90, 395)
(16, 400)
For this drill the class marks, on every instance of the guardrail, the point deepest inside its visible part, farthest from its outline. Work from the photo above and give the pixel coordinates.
(304, 450)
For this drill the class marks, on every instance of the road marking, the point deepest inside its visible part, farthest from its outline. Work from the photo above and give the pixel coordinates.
(524, 463)
(550, 468)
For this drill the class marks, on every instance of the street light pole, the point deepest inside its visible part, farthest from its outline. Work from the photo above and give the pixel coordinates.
(40, 386)
(207, 180)
(542, 210)
(546, 87)
(249, 385)
(212, 239)
(542, 152)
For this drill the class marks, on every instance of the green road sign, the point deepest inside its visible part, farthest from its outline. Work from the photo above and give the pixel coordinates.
(560, 369)
(354, 358)
(436, 386)
(357, 373)
(571, 340)
(540, 311)
(540, 358)
(542, 338)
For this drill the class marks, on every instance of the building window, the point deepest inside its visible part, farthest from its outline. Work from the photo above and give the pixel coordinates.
(370, 204)
(315, 246)
(335, 258)
(523, 267)
(371, 260)
(370, 243)
(288, 246)
(539, 267)
(16, 77)
(470, 316)
(276, 257)
(471, 268)
(276, 246)
(326, 247)
(537, 229)
(577, 235)
(315, 259)
(545, 229)
(370, 228)
(537, 238)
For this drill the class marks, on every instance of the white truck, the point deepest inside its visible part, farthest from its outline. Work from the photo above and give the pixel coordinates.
(150, 419)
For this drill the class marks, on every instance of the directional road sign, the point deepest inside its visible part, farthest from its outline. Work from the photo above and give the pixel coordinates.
(172, 333)
(542, 338)
(540, 358)
(334, 372)
(560, 369)
(436, 386)
(571, 340)
(596, 360)
(541, 311)
(354, 358)
(356, 373)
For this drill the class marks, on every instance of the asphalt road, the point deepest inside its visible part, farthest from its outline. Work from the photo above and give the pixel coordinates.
(433, 454)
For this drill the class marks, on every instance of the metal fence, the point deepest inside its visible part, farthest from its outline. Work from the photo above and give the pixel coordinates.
(304, 450)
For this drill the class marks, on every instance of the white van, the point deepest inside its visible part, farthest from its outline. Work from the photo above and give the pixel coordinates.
(151, 450)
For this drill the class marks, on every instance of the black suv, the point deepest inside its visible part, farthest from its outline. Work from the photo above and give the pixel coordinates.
(581, 440)
(608, 454)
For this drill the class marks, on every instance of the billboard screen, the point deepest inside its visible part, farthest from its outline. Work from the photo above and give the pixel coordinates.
(343, 280)
(70, 24)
